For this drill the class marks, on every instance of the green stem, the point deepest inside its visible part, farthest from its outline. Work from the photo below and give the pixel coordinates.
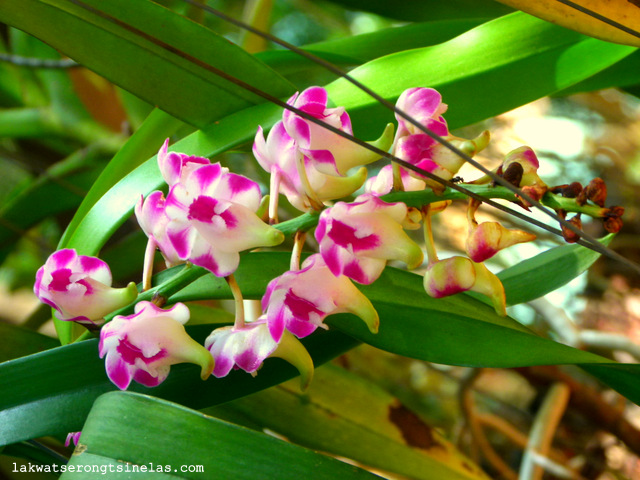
(187, 275)
(307, 221)
(237, 297)
(429, 244)
(571, 205)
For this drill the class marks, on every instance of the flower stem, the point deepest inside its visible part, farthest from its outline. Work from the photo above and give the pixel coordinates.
(397, 177)
(429, 244)
(296, 253)
(274, 190)
(147, 268)
(237, 297)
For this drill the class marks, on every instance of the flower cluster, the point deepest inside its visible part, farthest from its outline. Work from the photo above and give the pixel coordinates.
(210, 215)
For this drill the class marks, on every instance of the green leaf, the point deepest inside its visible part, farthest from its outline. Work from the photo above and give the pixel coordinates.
(547, 271)
(363, 422)
(421, 10)
(456, 330)
(18, 342)
(477, 82)
(64, 382)
(119, 427)
(124, 41)
(625, 73)
(67, 182)
(355, 50)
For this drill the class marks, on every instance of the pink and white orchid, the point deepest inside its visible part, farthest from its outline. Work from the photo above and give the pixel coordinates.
(143, 346)
(212, 218)
(357, 239)
(175, 166)
(330, 153)
(299, 301)
(412, 145)
(426, 153)
(151, 215)
(248, 346)
(424, 105)
(78, 287)
(280, 156)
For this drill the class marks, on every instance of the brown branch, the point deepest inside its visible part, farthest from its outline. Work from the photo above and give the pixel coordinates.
(589, 403)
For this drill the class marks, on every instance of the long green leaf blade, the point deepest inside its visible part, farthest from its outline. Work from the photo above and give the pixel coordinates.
(120, 425)
(126, 42)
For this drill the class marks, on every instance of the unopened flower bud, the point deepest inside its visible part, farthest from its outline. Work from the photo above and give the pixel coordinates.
(488, 238)
(459, 274)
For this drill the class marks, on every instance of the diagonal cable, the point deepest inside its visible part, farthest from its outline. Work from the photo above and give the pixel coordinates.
(602, 18)
(588, 241)
(591, 241)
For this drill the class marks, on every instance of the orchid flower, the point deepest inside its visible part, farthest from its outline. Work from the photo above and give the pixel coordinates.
(212, 218)
(143, 346)
(412, 145)
(295, 175)
(330, 153)
(423, 105)
(356, 239)
(151, 215)
(78, 287)
(426, 153)
(299, 301)
(175, 166)
(72, 437)
(248, 346)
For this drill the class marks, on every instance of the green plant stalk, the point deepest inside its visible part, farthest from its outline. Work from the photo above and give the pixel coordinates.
(571, 205)
(305, 222)
(419, 199)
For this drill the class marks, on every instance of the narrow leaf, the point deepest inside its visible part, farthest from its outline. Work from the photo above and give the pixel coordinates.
(120, 425)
